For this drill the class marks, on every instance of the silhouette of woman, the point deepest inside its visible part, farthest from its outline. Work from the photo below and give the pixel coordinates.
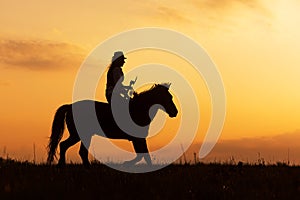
(114, 74)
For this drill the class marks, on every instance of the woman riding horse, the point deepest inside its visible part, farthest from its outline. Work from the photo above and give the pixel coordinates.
(87, 117)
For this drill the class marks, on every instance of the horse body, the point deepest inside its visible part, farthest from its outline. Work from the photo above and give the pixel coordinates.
(105, 125)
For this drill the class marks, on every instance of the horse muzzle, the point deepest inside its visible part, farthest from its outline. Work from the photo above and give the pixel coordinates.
(173, 114)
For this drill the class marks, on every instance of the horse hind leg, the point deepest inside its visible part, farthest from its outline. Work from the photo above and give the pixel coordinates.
(84, 154)
(83, 151)
(64, 147)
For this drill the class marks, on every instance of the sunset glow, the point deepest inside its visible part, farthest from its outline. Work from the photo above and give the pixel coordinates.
(255, 45)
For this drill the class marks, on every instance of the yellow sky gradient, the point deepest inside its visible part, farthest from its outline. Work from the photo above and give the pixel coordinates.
(255, 45)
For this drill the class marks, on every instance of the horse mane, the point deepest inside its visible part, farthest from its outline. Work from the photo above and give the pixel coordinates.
(153, 87)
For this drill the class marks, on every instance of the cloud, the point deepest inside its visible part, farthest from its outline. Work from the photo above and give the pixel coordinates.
(39, 54)
(172, 14)
(272, 149)
(244, 15)
(227, 5)
(236, 8)
(4, 83)
(214, 14)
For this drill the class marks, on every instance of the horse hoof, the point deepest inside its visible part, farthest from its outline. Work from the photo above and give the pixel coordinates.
(128, 164)
(61, 166)
(87, 165)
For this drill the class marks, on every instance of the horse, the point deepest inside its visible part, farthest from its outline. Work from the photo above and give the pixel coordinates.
(139, 107)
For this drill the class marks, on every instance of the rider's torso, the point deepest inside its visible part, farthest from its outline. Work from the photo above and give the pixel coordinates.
(114, 74)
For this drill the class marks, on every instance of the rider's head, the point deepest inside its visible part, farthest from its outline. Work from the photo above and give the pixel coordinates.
(118, 58)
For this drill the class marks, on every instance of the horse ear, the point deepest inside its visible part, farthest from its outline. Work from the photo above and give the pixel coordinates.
(166, 85)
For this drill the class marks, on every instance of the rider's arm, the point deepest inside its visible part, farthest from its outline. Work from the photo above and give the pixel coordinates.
(118, 74)
(127, 87)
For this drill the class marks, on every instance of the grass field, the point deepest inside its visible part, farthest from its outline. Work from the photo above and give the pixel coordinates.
(24, 180)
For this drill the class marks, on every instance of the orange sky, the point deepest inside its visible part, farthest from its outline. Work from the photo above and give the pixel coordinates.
(254, 44)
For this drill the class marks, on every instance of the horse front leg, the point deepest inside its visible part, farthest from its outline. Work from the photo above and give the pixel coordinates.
(84, 152)
(133, 161)
(141, 149)
(148, 158)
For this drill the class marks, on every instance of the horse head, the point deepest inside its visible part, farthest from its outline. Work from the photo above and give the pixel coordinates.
(165, 98)
(158, 94)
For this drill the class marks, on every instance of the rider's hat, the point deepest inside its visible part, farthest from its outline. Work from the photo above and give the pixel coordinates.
(118, 55)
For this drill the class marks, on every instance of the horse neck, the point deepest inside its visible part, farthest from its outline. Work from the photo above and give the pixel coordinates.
(142, 107)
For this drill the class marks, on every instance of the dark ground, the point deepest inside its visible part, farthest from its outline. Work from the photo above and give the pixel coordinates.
(202, 181)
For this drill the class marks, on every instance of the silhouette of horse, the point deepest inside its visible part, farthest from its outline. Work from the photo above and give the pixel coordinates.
(139, 106)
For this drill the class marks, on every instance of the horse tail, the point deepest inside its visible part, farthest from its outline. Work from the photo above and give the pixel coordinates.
(58, 127)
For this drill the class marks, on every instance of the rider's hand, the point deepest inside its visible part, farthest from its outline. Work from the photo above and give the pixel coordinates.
(127, 87)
